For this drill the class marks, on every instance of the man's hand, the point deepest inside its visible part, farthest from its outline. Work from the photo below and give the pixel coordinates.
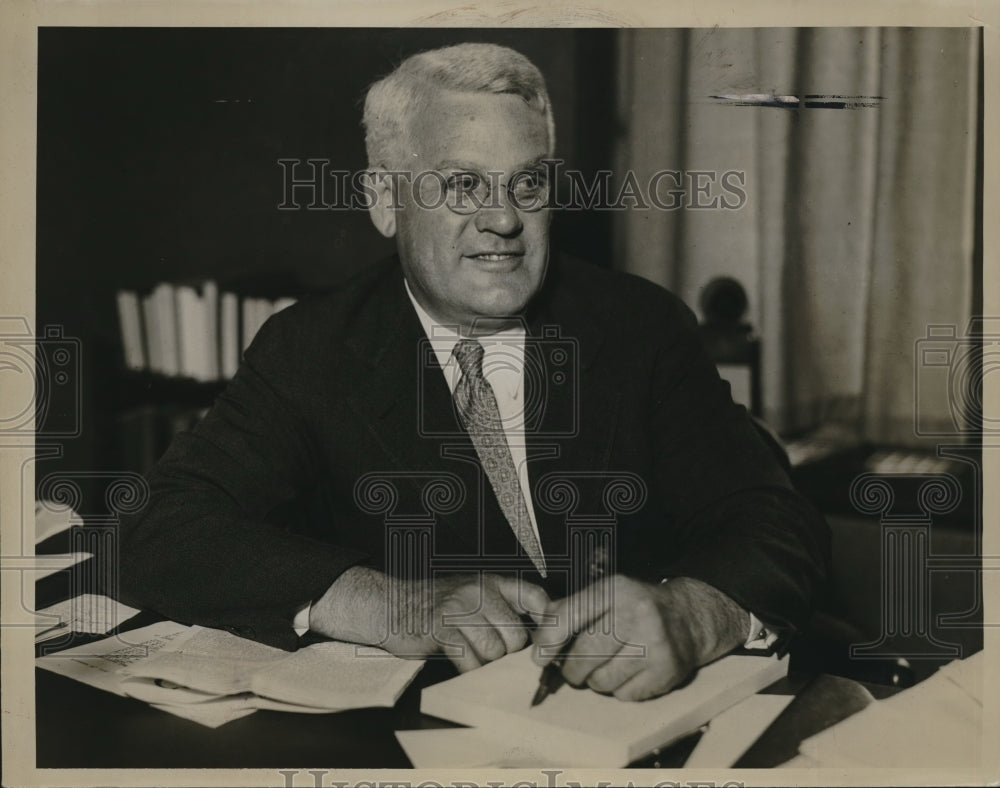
(471, 618)
(636, 640)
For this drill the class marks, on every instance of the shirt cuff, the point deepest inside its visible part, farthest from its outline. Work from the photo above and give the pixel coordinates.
(301, 621)
(761, 636)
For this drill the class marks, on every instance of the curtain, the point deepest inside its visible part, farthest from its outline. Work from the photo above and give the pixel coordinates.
(854, 236)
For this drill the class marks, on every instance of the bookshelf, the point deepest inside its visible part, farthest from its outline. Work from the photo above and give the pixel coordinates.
(180, 345)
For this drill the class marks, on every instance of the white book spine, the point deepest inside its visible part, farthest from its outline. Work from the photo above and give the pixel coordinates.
(210, 303)
(154, 345)
(247, 308)
(165, 304)
(229, 337)
(281, 303)
(189, 333)
(261, 312)
(130, 319)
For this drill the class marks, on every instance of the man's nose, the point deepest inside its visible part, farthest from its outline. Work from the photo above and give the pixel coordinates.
(499, 216)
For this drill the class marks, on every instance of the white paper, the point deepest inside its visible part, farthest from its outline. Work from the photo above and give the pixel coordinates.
(52, 518)
(328, 675)
(731, 733)
(166, 665)
(51, 563)
(967, 674)
(584, 728)
(93, 614)
(211, 715)
(99, 664)
(451, 748)
(158, 693)
(933, 724)
(728, 736)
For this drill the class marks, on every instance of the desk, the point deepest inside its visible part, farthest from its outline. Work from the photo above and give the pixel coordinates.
(79, 726)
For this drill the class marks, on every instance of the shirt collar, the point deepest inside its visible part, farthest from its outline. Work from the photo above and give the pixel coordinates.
(443, 339)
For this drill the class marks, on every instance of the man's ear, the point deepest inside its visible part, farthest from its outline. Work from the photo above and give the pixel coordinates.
(382, 200)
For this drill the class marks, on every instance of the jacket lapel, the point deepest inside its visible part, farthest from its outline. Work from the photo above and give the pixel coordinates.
(571, 409)
(402, 395)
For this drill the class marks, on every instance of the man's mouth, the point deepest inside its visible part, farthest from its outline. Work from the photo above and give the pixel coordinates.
(495, 257)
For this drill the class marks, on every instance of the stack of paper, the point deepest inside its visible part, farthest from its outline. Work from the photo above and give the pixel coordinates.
(51, 518)
(328, 676)
(100, 664)
(731, 733)
(936, 723)
(93, 614)
(49, 563)
(458, 748)
(211, 677)
(579, 727)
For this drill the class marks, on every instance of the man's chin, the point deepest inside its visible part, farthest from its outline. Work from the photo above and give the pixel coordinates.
(497, 315)
(507, 305)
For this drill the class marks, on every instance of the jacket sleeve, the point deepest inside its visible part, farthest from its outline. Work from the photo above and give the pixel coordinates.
(737, 522)
(202, 552)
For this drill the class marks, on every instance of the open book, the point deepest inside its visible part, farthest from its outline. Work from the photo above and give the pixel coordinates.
(322, 677)
(579, 727)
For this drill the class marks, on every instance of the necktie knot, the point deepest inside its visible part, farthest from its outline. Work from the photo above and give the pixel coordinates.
(469, 355)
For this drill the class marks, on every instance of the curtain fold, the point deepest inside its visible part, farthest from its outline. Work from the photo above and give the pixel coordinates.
(856, 232)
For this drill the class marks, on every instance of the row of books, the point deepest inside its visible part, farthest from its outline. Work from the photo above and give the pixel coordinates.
(190, 330)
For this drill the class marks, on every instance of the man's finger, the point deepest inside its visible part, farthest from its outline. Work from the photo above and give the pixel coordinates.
(612, 674)
(453, 643)
(570, 616)
(461, 652)
(484, 640)
(508, 625)
(649, 683)
(525, 598)
(551, 633)
(588, 653)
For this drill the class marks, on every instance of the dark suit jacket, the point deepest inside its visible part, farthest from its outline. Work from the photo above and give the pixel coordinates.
(630, 433)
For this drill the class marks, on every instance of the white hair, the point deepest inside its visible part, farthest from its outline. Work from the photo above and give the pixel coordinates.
(476, 68)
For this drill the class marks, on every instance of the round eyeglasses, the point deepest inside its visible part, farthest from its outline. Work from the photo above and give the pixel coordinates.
(467, 191)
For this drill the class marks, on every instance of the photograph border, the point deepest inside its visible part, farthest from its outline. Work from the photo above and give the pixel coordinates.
(19, 22)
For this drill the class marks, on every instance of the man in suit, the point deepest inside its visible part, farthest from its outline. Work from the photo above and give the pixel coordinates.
(505, 444)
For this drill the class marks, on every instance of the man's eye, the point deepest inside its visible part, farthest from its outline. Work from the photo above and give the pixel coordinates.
(463, 182)
(530, 183)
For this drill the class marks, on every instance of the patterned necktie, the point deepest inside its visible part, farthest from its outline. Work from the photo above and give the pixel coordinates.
(480, 415)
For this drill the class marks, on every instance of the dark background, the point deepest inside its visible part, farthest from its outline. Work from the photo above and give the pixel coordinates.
(158, 161)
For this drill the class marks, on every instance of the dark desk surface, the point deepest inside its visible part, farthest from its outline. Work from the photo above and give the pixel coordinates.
(79, 726)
